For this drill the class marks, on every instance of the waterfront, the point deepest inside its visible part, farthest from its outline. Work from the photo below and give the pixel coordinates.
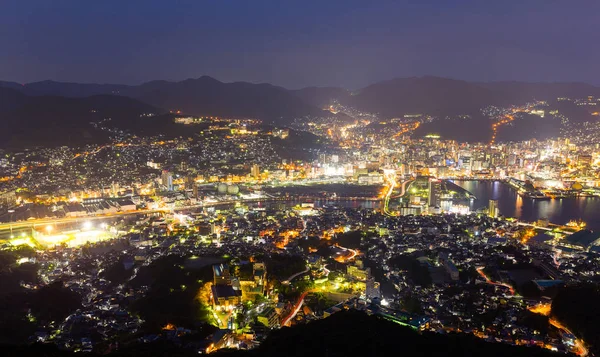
(558, 211)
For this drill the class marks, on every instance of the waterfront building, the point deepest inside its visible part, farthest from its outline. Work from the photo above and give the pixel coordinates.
(493, 211)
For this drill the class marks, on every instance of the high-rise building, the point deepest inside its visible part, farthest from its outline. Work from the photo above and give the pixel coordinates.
(167, 180)
(190, 182)
(115, 189)
(255, 171)
(435, 193)
(493, 209)
(8, 199)
(195, 190)
(584, 160)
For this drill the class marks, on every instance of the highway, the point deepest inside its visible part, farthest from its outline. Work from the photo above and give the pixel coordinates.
(392, 184)
(403, 188)
(54, 221)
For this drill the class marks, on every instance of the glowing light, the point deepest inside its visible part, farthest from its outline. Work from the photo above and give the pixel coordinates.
(87, 225)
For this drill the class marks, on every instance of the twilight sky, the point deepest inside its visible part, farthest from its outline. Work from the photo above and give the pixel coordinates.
(291, 43)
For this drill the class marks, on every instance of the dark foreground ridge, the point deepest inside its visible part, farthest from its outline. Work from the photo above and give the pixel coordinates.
(343, 334)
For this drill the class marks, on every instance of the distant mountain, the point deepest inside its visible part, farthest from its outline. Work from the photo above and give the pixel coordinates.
(428, 95)
(542, 91)
(441, 97)
(10, 99)
(53, 120)
(11, 85)
(321, 97)
(208, 96)
(66, 89)
(202, 96)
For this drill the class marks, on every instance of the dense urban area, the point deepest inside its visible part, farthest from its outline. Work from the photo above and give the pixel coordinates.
(214, 239)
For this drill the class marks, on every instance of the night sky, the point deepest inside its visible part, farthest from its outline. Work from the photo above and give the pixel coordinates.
(291, 43)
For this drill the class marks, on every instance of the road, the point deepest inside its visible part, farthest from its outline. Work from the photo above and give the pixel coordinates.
(295, 310)
(386, 200)
(52, 221)
(546, 310)
(353, 253)
(489, 281)
(288, 280)
(579, 347)
(403, 188)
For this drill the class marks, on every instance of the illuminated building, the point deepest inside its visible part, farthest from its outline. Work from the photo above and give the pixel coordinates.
(224, 296)
(493, 211)
(269, 318)
(190, 182)
(221, 274)
(357, 271)
(167, 180)
(435, 193)
(584, 160)
(255, 171)
(371, 179)
(256, 286)
(8, 199)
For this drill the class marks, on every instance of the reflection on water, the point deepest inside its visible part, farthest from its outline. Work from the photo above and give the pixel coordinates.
(559, 211)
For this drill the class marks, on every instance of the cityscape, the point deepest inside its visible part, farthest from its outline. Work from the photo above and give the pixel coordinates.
(425, 214)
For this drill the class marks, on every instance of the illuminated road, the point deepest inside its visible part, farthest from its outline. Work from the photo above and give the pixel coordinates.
(287, 281)
(580, 348)
(353, 253)
(53, 221)
(406, 128)
(507, 119)
(546, 309)
(386, 201)
(295, 310)
(489, 281)
(403, 188)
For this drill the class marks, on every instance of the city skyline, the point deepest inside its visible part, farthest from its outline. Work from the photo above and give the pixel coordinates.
(341, 178)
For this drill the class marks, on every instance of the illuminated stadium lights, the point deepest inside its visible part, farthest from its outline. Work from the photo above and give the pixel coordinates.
(21, 241)
(74, 238)
(87, 225)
